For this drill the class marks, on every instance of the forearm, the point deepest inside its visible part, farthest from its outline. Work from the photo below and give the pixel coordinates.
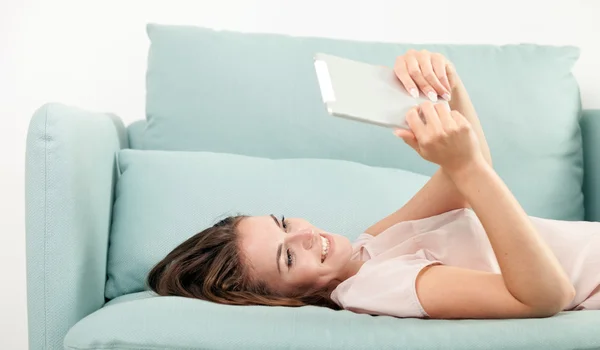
(461, 102)
(439, 195)
(530, 270)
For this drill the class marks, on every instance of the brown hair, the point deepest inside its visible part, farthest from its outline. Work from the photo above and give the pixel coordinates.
(210, 266)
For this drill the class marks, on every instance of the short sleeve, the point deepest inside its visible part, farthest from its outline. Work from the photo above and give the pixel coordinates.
(385, 287)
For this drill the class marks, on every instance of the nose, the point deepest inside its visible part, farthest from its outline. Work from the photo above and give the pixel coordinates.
(303, 237)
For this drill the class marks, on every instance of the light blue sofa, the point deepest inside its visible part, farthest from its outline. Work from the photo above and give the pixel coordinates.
(234, 123)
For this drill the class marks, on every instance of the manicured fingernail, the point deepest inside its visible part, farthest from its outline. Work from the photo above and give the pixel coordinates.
(432, 96)
(446, 96)
(414, 92)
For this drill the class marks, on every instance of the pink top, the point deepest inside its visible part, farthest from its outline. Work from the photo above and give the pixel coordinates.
(385, 284)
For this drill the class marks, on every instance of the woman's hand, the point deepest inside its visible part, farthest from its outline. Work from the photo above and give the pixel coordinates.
(442, 136)
(427, 71)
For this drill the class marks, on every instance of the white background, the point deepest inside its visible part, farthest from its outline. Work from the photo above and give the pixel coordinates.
(93, 55)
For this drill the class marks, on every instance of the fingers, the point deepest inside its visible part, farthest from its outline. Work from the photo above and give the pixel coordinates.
(437, 119)
(443, 112)
(402, 73)
(431, 117)
(425, 62)
(424, 71)
(438, 62)
(415, 123)
(402, 133)
(414, 70)
(408, 137)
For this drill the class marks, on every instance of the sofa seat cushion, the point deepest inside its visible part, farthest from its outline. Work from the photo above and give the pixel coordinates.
(162, 198)
(144, 321)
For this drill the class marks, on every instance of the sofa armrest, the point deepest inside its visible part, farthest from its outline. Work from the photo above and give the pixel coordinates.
(69, 184)
(590, 128)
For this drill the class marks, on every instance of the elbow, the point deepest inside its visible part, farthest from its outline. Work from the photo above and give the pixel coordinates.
(566, 297)
(556, 303)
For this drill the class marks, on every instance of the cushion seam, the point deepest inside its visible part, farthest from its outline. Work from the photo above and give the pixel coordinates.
(119, 172)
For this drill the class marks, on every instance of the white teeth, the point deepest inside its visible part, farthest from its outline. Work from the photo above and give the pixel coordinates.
(324, 248)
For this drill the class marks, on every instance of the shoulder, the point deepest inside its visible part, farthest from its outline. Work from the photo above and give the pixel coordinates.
(385, 287)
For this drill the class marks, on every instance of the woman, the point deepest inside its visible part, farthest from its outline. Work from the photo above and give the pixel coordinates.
(462, 247)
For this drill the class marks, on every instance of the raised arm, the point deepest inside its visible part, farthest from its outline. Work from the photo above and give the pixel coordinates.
(435, 76)
(532, 282)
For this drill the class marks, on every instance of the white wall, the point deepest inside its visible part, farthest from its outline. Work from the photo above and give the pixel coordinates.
(93, 55)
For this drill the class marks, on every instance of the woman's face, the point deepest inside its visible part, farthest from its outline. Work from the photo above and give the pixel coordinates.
(293, 255)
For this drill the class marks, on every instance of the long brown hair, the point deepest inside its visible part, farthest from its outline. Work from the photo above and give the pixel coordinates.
(210, 266)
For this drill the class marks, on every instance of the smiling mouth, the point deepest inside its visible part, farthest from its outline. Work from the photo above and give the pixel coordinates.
(324, 248)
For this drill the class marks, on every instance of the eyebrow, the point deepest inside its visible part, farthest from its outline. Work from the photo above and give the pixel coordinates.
(279, 247)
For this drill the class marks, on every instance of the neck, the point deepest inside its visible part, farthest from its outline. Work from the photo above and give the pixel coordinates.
(349, 270)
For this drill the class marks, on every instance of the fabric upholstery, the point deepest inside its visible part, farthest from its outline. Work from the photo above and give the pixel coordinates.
(590, 126)
(70, 173)
(135, 132)
(163, 198)
(257, 94)
(145, 322)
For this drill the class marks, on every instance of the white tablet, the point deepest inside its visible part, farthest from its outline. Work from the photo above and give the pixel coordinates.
(363, 92)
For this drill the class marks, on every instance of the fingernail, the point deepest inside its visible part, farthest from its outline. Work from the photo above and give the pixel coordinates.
(446, 96)
(432, 96)
(414, 92)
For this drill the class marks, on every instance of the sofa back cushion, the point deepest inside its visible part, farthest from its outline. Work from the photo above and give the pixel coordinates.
(163, 198)
(257, 95)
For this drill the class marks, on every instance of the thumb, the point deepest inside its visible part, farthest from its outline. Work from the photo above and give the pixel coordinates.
(408, 137)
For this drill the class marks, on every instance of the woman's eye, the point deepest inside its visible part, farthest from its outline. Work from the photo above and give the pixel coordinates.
(284, 223)
(289, 258)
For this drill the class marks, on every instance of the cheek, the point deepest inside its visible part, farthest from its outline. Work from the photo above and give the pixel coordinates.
(306, 273)
(343, 242)
(344, 247)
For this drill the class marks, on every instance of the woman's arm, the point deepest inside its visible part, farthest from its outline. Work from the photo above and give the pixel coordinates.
(530, 271)
(439, 194)
(461, 102)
